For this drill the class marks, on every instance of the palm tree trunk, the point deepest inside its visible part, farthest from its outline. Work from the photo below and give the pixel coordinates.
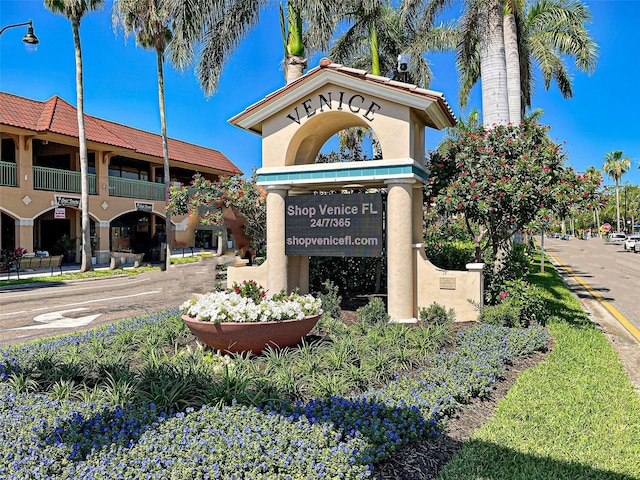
(513, 68)
(294, 66)
(493, 69)
(617, 207)
(375, 53)
(165, 152)
(84, 161)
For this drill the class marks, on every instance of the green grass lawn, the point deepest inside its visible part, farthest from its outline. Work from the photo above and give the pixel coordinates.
(574, 416)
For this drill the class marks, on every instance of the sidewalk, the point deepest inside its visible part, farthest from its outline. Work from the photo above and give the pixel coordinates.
(75, 267)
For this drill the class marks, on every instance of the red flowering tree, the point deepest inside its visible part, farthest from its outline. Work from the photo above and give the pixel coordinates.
(500, 180)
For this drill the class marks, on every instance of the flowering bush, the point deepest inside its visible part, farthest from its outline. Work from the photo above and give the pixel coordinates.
(247, 302)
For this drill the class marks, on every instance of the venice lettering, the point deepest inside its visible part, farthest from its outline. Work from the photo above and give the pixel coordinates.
(355, 103)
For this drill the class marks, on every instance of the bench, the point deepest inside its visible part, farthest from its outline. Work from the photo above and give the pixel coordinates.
(118, 258)
(35, 263)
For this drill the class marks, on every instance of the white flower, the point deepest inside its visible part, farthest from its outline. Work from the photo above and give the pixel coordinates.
(228, 306)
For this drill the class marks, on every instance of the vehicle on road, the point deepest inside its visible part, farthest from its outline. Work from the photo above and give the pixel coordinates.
(617, 237)
(631, 241)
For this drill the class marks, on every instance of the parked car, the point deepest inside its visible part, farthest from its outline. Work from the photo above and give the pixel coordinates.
(617, 237)
(631, 241)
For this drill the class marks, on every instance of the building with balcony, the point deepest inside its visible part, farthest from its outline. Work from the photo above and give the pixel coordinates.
(40, 180)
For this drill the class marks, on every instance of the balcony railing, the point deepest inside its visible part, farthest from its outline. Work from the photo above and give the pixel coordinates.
(8, 174)
(54, 179)
(124, 187)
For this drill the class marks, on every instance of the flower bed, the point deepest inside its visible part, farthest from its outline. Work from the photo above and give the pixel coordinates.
(341, 436)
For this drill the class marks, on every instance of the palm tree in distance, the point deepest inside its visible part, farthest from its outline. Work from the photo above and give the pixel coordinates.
(596, 175)
(150, 22)
(615, 167)
(74, 11)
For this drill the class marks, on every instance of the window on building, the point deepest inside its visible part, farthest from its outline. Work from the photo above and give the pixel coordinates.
(129, 168)
(8, 150)
(91, 157)
(60, 161)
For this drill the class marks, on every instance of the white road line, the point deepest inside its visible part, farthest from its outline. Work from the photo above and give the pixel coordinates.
(58, 307)
(12, 313)
(58, 320)
(38, 293)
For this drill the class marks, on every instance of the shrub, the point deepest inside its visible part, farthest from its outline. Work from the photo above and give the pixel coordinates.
(436, 314)
(519, 304)
(450, 255)
(373, 312)
(330, 299)
(526, 299)
(352, 275)
(515, 267)
(501, 315)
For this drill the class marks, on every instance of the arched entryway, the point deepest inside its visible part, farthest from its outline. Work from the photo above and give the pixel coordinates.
(7, 232)
(138, 232)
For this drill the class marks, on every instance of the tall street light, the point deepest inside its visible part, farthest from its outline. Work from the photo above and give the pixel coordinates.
(30, 40)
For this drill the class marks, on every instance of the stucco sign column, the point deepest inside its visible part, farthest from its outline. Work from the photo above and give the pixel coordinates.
(277, 268)
(400, 275)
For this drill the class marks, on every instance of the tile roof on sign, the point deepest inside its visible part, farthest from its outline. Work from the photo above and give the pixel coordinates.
(58, 116)
(326, 64)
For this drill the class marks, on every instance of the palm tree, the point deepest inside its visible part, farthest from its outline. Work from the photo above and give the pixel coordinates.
(480, 51)
(219, 27)
(150, 22)
(74, 11)
(378, 33)
(596, 176)
(293, 43)
(545, 31)
(615, 167)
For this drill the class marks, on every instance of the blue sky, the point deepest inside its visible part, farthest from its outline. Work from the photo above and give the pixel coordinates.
(120, 83)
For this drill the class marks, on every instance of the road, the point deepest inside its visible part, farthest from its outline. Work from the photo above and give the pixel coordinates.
(610, 270)
(606, 280)
(43, 310)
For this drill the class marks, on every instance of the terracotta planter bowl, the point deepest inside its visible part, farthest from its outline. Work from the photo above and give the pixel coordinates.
(236, 337)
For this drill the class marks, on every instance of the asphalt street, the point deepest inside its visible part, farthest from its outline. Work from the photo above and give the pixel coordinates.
(41, 310)
(606, 280)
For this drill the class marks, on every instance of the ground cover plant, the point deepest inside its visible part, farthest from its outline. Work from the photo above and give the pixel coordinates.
(142, 397)
(576, 415)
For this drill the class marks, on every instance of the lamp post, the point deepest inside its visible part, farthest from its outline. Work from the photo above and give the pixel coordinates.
(30, 40)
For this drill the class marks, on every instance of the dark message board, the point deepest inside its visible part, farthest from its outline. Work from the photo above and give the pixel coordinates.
(339, 225)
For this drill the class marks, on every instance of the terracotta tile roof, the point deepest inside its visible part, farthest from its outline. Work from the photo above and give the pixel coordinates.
(407, 87)
(326, 64)
(58, 116)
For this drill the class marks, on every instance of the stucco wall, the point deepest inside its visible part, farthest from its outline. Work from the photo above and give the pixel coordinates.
(450, 288)
(257, 273)
(294, 135)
